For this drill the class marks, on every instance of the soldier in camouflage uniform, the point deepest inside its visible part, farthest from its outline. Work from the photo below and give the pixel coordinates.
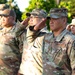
(36, 16)
(10, 43)
(52, 53)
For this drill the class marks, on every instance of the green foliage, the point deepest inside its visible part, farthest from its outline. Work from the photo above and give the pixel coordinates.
(69, 4)
(18, 13)
(42, 4)
(14, 6)
(3, 1)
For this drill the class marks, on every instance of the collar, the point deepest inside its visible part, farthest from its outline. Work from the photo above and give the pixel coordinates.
(60, 36)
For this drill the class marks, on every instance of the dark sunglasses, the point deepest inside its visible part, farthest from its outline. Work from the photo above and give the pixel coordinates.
(4, 15)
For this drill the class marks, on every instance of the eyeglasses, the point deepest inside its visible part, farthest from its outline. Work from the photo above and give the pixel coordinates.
(4, 15)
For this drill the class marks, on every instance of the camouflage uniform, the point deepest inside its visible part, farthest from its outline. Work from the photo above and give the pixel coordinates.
(49, 55)
(11, 44)
(24, 67)
(10, 54)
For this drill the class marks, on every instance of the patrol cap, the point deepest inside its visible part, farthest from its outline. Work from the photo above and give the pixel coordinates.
(8, 12)
(58, 13)
(37, 12)
(3, 6)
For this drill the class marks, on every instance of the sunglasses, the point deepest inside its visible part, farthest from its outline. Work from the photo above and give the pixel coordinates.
(5, 15)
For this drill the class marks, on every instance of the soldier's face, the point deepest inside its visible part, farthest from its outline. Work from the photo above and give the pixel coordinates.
(34, 20)
(73, 29)
(56, 24)
(6, 21)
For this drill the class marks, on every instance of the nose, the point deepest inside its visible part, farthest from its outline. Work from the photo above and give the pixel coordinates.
(51, 21)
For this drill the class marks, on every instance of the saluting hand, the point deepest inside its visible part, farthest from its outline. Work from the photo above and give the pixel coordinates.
(25, 22)
(40, 25)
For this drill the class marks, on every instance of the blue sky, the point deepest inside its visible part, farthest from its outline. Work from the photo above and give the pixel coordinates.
(22, 4)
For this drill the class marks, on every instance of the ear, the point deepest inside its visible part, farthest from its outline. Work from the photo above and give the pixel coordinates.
(64, 20)
(13, 18)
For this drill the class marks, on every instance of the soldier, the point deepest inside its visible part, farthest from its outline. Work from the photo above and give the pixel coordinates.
(36, 16)
(10, 43)
(52, 53)
(71, 26)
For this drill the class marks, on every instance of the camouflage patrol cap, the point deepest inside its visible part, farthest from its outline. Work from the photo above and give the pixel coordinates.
(8, 12)
(38, 12)
(3, 6)
(58, 13)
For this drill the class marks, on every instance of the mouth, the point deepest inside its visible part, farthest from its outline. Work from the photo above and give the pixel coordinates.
(51, 25)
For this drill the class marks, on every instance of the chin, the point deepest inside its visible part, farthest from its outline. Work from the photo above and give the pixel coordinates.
(3, 25)
(52, 29)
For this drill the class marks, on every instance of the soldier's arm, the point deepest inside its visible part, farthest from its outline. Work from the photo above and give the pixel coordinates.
(21, 38)
(71, 53)
(34, 32)
(31, 36)
(20, 26)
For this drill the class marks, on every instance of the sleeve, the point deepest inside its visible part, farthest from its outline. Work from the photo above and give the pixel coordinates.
(21, 38)
(19, 28)
(31, 36)
(33, 53)
(72, 56)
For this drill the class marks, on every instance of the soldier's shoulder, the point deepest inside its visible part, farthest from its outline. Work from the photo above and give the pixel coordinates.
(48, 34)
(70, 36)
(19, 29)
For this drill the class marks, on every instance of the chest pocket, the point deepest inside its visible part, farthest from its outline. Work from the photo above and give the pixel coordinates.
(6, 38)
(55, 51)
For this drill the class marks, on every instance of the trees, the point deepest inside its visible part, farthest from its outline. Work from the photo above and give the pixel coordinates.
(14, 6)
(69, 4)
(3, 1)
(43, 4)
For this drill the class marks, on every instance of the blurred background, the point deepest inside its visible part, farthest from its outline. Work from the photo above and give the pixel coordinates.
(21, 7)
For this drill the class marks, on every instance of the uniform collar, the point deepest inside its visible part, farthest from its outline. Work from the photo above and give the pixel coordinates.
(59, 37)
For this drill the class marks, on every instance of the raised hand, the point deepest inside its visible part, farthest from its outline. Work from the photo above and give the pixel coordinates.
(25, 22)
(40, 25)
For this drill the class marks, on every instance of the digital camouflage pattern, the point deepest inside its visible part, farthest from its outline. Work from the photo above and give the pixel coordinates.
(50, 55)
(10, 54)
(27, 54)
